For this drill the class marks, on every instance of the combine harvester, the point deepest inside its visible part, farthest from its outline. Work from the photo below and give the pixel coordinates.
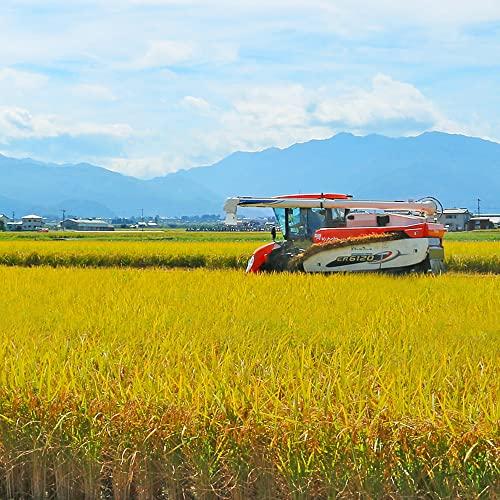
(331, 233)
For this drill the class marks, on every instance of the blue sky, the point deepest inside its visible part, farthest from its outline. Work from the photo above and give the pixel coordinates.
(147, 87)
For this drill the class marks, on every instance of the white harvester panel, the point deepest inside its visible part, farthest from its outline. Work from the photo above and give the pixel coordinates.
(369, 256)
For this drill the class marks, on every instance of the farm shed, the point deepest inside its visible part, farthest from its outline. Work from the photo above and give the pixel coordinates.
(484, 222)
(87, 225)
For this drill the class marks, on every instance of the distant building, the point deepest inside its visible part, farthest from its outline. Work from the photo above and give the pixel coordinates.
(27, 223)
(14, 226)
(484, 222)
(87, 225)
(31, 222)
(455, 219)
(3, 222)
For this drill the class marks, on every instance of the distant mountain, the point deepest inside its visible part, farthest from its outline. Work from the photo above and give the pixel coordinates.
(87, 190)
(456, 169)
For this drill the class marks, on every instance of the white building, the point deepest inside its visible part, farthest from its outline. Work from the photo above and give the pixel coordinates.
(31, 222)
(455, 219)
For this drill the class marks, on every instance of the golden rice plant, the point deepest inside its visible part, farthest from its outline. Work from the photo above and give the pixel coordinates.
(473, 256)
(90, 253)
(198, 383)
(481, 256)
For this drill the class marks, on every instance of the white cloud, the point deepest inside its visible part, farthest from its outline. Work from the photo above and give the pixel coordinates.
(165, 53)
(24, 80)
(260, 118)
(283, 115)
(444, 11)
(19, 123)
(279, 52)
(196, 103)
(147, 167)
(387, 102)
(94, 91)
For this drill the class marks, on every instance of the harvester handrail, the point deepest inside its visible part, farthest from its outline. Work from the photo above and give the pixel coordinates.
(427, 206)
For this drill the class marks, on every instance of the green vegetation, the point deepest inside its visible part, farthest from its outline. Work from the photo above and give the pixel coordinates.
(479, 235)
(156, 235)
(203, 383)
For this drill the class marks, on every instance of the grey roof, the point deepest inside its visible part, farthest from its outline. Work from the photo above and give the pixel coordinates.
(494, 219)
(455, 211)
(89, 222)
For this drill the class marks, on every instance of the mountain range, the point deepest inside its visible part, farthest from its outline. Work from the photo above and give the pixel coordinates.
(454, 168)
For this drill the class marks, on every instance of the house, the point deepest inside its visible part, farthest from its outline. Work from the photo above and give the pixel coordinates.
(455, 219)
(86, 225)
(27, 223)
(31, 222)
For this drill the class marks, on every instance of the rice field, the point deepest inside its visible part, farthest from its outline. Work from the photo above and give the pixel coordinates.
(461, 256)
(90, 253)
(158, 369)
(213, 381)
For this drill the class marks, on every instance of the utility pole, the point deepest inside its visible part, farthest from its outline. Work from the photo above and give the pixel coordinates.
(63, 218)
(478, 207)
(13, 216)
(142, 219)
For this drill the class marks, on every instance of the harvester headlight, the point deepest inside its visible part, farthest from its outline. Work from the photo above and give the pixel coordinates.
(250, 263)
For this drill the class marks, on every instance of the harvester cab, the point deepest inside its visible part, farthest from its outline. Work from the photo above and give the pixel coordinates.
(326, 233)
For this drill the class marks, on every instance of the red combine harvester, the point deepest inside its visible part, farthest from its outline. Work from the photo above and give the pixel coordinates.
(329, 233)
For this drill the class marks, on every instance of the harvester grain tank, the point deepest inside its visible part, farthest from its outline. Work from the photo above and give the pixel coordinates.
(329, 233)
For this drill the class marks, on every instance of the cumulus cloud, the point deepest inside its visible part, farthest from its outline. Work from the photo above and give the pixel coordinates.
(444, 11)
(146, 167)
(389, 105)
(206, 78)
(94, 91)
(22, 79)
(18, 123)
(196, 103)
(165, 53)
(283, 115)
